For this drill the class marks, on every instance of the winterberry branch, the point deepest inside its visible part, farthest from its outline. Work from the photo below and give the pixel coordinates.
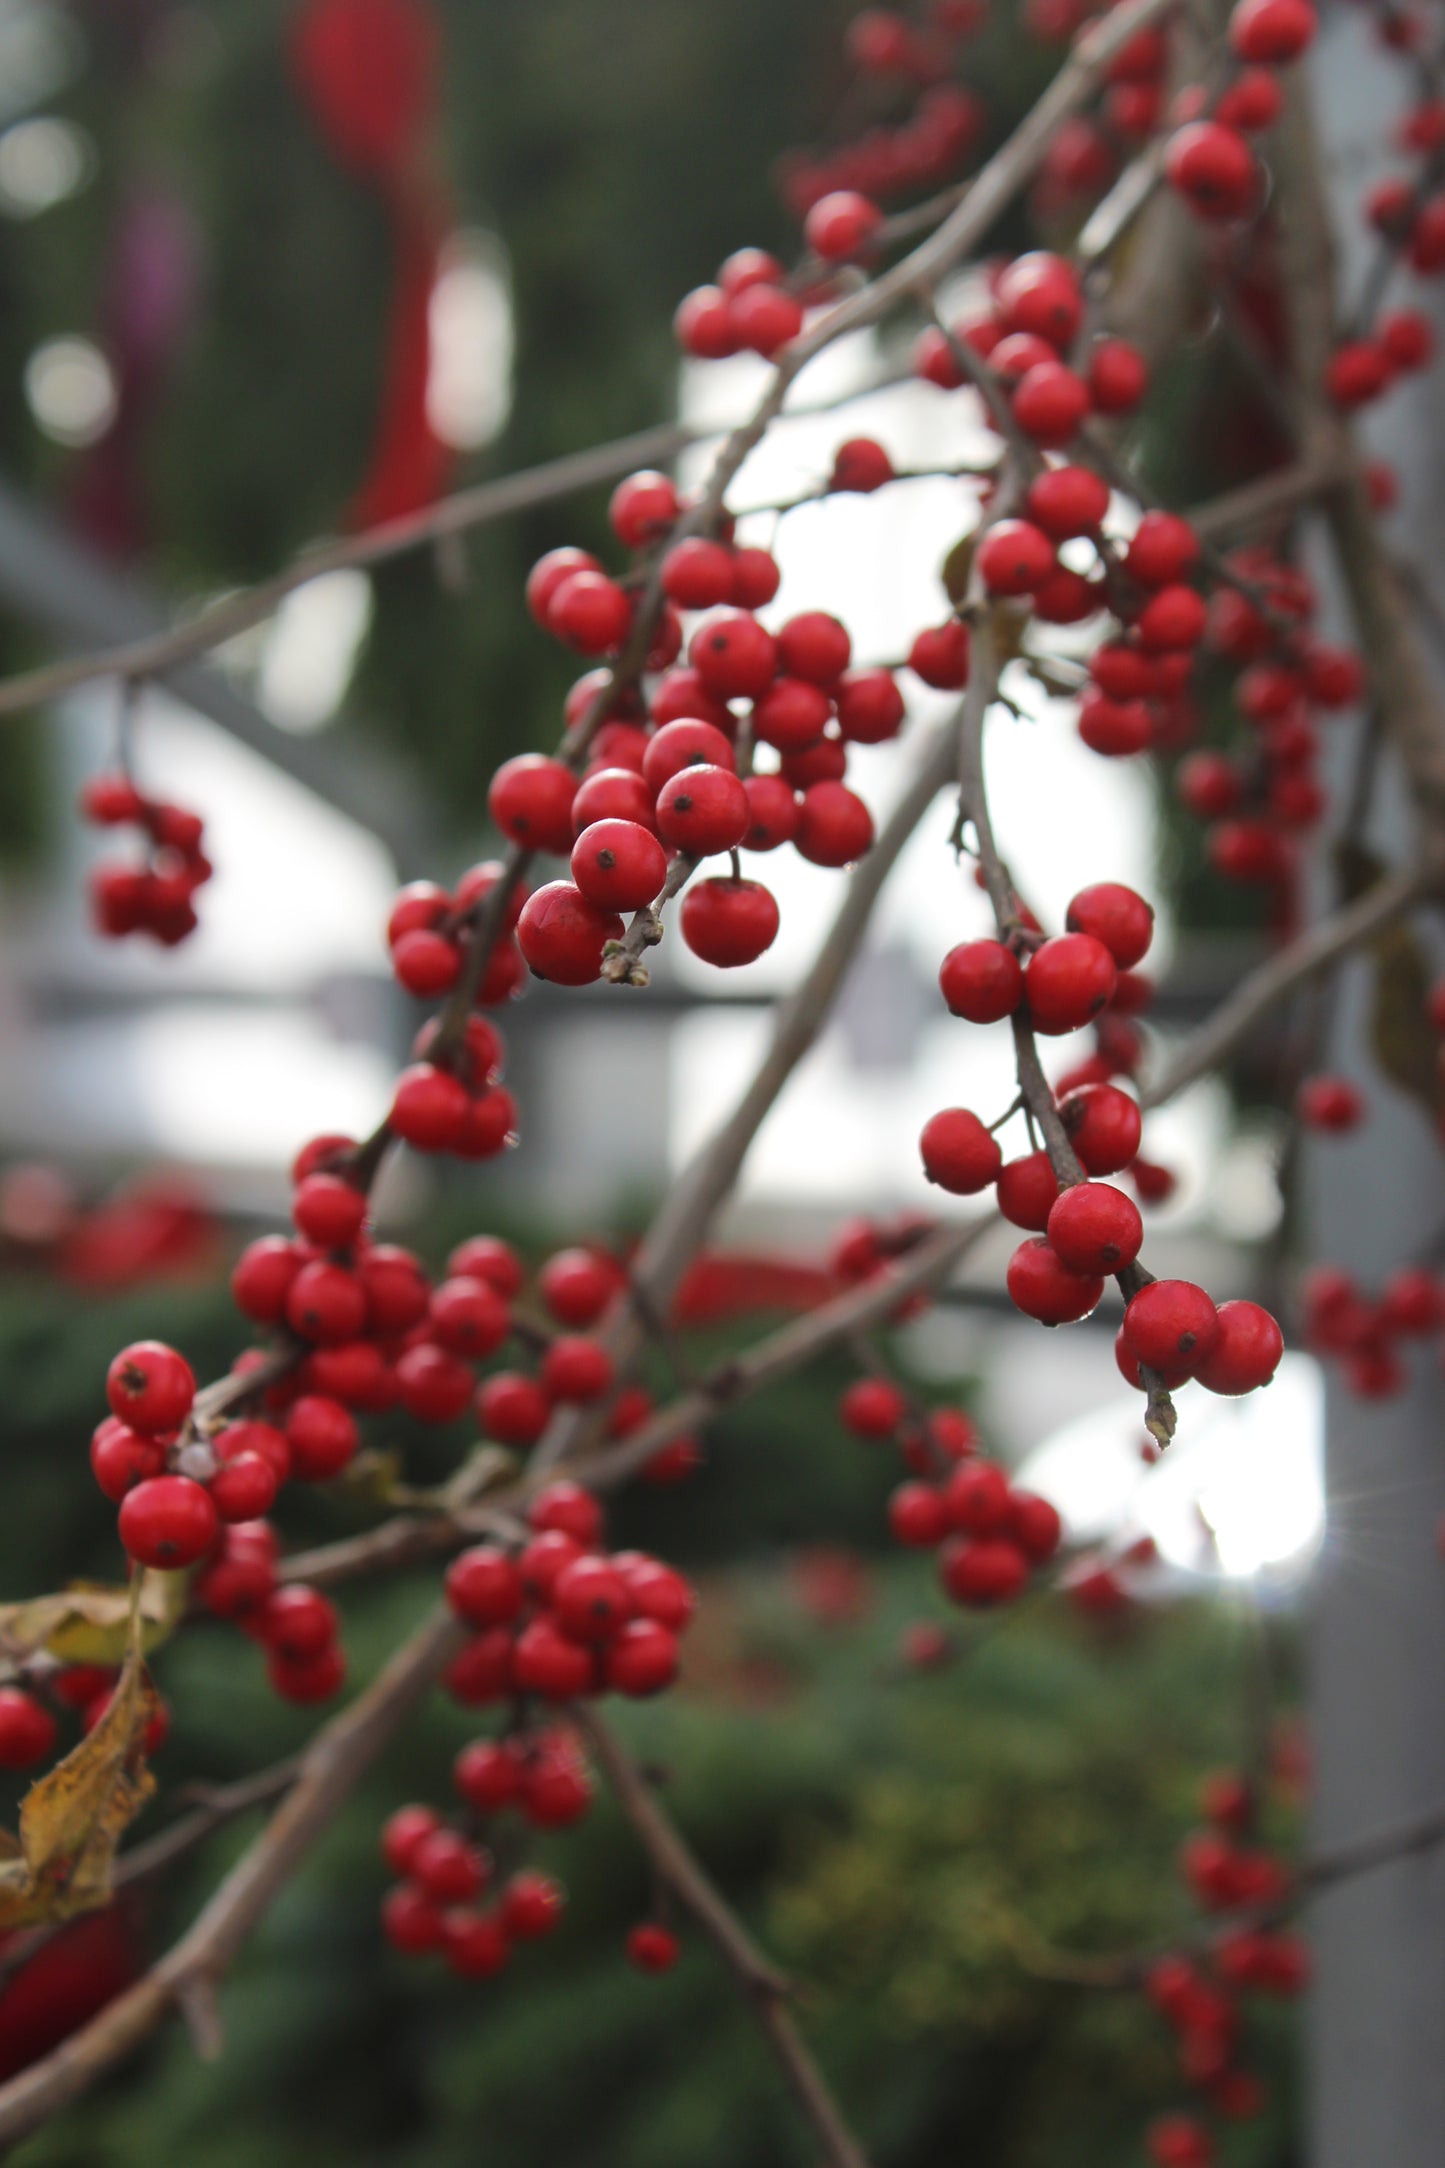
(765, 1988)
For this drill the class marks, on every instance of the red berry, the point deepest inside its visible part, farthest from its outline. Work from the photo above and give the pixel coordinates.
(840, 226)
(483, 1586)
(590, 1600)
(766, 319)
(546, 1662)
(150, 1387)
(1357, 372)
(1015, 557)
(483, 1671)
(611, 794)
(641, 1659)
(403, 1832)
(1067, 501)
(562, 935)
(1042, 1285)
(1117, 376)
(513, 1409)
(448, 1868)
(916, 1516)
(410, 1921)
(697, 574)
(431, 1384)
(618, 865)
(1095, 1228)
(1050, 402)
(590, 612)
(701, 810)
(27, 1730)
(1068, 980)
(322, 1436)
(121, 1457)
(657, 1591)
(429, 1108)
(245, 1488)
(1035, 1526)
(577, 1285)
(958, 1152)
(576, 1369)
(1330, 1103)
(815, 646)
(327, 1304)
(1163, 550)
(939, 655)
(642, 508)
(983, 1571)
(1174, 618)
(1214, 169)
(532, 1904)
(834, 825)
(1115, 915)
(489, 1775)
(981, 981)
(870, 706)
(1026, 1190)
(548, 573)
(976, 1499)
(860, 466)
(1270, 33)
(469, 1318)
(1245, 1354)
(704, 325)
(567, 1506)
(756, 579)
(651, 1948)
(298, 1623)
(1040, 293)
(728, 922)
(872, 1408)
(261, 1278)
(475, 1944)
(168, 1522)
(530, 799)
(791, 715)
(686, 743)
(1104, 1126)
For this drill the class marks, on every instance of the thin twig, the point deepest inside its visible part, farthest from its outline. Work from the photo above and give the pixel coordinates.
(764, 1986)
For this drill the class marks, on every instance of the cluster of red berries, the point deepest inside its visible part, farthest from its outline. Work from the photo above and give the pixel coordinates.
(1408, 214)
(563, 1618)
(1199, 1996)
(663, 774)
(380, 1334)
(158, 897)
(1365, 1337)
(1258, 801)
(989, 1536)
(427, 931)
(451, 1098)
(943, 123)
(191, 1497)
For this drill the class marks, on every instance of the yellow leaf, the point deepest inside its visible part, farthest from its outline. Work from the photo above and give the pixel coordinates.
(71, 1820)
(90, 1624)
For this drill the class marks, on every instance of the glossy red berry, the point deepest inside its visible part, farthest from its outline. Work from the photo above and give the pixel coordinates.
(917, 1517)
(403, 1832)
(449, 1869)
(860, 465)
(1174, 618)
(618, 865)
(697, 574)
(590, 1599)
(548, 573)
(958, 1152)
(1104, 1126)
(1270, 33)
(982, 1571)
(530, 799)
(1026, 1190)
(1050, 402)
(939, 655)
(702, 810)
(1068, 980)
(299, 1623)
(734, 656)
(1095, 1228)
(562, 935)
(766, 318)
(1246, 1353)
(689, 742)
(1015, 557)
(532, 1905)
(489, 1775)
(840, 226)
(121, 1457)
(728, 922)
(1117, 376)
(1042, 1285)
(568, 1508)
(546, 1661)
(27, 1729)
(1214, 169)
(1330, 1103)
(576, 1369)
(410, 1921)
(469, 1318)
(1115, 915)
(1040, 292)
(651, 1948)
(981, 981)
(326, 1304)
(512, 1409)
(590, 612)
(1067, 501)
(641, 1659)
(429, 1108)
(168, 1522)
(835, 827)
(150, 1387)
(642, 508)
(976, 1499)
(483, 1586)
(1357, 372)
(322, 1437)
(872, 1408)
